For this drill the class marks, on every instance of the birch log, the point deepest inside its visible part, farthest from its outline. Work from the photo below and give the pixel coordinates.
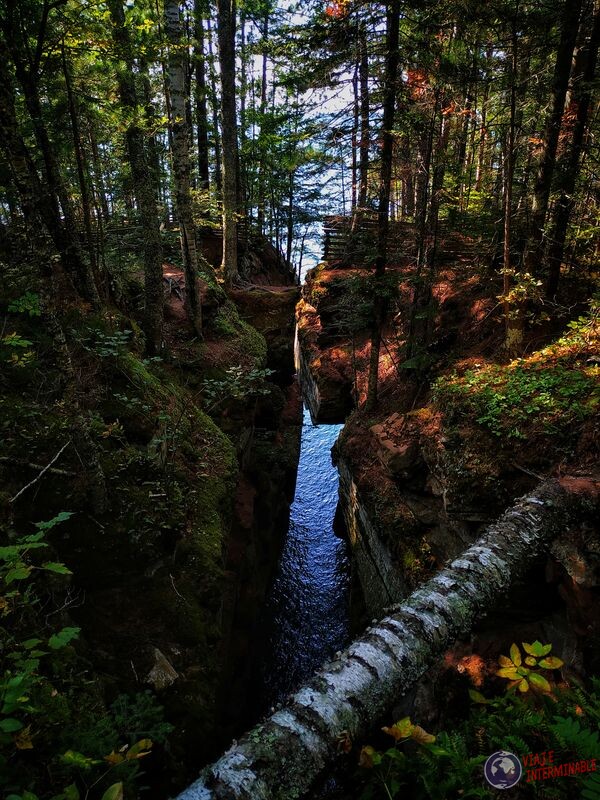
(281, 758)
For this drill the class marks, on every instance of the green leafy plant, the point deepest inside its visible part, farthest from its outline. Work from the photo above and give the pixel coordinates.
(525, 671)
(449, 765)
(22, 650)
(16, 350)
(238, 383)
(28, 303)
(509, 400)
(107, 345)
(440, 768)
(35, 691)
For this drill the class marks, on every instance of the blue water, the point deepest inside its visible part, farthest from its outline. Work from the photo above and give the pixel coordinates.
(307, 614)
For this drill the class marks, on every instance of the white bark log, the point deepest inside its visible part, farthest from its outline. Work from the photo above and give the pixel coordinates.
(281, 758)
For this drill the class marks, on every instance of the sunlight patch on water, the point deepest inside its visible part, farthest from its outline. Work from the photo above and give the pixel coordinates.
(307, 609)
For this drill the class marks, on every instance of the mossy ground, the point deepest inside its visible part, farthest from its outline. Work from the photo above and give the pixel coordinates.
(148, 567)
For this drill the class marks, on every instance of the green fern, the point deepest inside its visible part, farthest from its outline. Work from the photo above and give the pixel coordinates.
(571, 736)
(515, 744)
(590, 786)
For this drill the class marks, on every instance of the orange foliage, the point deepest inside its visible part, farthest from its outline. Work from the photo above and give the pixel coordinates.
(417, 82)
(337, 9)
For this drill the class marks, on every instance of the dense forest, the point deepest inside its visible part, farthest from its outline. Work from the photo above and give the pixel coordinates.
(209, 210)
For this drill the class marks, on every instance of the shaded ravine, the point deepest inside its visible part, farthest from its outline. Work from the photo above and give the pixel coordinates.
(306, 617)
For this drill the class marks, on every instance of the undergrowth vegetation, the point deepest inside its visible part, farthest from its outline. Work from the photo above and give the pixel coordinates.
(532, 725)
(545, 394)
(51, 721)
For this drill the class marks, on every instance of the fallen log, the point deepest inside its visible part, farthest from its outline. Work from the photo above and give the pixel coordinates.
(281, 758)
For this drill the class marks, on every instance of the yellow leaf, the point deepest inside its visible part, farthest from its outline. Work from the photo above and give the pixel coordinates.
(530, 661)
(139, 749)
(114, 758)
(523, 685)
(511, 674)
(515, 655)
(539, 682)
(551, 662)
(400, 730)
(23, 739)
(421, 736)
(505, 662)
(366, 757)
(537, 648)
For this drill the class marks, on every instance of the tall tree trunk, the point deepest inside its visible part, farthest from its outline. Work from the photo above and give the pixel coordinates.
(354, 138)
(98, 172)
(483, 131)
(408, 184)
(385, 181)
(437, 187)
(144, 188)
(151, 121)
(290, 220)
(200, 97)
(214, 102)
(39, 198)
(181, 162)
(569, 165)
(364, 120)
(420, 318)
(35, 199)
(421, 219)
(82, 176)
(512, 312)
(568, 35)
(74, 260)
(261, 192)
(226, 31)
(242, 178)
(463, 136)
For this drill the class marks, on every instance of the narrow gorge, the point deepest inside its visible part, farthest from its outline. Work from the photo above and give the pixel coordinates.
(299, 400)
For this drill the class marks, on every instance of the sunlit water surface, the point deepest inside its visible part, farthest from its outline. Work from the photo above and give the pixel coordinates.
(306, 615)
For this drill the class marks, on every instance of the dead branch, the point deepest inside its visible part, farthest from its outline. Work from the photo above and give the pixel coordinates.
(44, 470)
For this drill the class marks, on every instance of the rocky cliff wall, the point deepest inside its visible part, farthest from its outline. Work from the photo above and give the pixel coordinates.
(380, 581)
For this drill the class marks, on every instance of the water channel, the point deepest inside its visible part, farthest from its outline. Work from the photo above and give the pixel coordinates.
(307, 611)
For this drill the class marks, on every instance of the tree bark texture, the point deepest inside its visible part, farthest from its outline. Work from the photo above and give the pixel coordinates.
(512, 316)
(569, 165)
(569, 27)
(200, 97)
(392, 61)
(214, 110)
(364, 121)
(143, 185)
(261, 188)
(281, 758)
(82, 174)
(226, 31)
(61, 226)
(181, 160)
